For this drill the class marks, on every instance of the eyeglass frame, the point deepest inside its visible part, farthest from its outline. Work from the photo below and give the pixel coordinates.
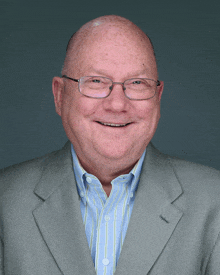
(110, 89)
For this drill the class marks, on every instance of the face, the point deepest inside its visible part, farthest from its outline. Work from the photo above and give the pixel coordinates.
(119, 58)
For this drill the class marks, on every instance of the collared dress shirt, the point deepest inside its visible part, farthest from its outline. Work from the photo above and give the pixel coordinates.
(106, 218)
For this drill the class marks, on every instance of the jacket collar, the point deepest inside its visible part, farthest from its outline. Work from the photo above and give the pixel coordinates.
(57, 168)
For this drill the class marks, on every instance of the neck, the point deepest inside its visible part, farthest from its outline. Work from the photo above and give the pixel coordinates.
(106, 171)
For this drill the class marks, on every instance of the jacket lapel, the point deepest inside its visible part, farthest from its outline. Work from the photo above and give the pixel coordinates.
(153, 218)
(59, 216)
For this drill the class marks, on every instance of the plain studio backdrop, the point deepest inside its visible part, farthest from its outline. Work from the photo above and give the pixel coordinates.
(185, 34)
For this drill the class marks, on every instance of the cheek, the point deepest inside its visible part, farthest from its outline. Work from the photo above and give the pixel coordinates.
(78, 110)
(149, 118)
(149, 112)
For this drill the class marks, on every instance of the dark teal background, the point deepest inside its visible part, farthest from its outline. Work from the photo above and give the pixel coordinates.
(185, 34)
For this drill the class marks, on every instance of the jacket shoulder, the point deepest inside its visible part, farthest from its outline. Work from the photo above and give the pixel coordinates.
(26, 174)
(197, 180)
(194, 170)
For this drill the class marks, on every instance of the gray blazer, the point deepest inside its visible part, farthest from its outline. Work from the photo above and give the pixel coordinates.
(174, 227)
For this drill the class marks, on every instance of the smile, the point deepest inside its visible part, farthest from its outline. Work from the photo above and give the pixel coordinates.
(113, 124)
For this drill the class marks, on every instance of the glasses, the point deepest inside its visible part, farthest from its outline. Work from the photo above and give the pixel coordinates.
(101, 87)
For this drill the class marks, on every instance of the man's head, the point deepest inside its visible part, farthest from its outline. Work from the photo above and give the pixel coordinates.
(112, 47)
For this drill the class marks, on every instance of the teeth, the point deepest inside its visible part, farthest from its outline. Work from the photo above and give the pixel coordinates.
(113, 125)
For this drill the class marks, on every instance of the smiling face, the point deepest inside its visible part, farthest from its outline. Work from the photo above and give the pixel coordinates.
(113, 129)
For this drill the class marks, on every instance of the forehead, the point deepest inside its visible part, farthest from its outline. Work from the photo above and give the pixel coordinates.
(114, 46)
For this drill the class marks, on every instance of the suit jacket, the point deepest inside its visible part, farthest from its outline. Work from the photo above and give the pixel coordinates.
(174, 227)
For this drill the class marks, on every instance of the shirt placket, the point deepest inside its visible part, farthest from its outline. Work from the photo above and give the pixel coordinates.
(106, 233)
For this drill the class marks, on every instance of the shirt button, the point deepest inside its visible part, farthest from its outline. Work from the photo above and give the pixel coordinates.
(89, 180)
(107, 218)
(105, 261)
(131, 195)
(82, 194)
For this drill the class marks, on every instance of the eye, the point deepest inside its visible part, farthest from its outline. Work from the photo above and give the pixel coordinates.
(137, 82)
(96, 80)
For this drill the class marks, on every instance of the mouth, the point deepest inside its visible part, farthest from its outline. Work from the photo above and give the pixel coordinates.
(113, 124)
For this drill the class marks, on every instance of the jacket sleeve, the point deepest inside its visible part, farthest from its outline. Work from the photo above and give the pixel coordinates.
(213, 267)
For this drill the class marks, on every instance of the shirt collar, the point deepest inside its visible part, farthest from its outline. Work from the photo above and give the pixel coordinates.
(79, 172)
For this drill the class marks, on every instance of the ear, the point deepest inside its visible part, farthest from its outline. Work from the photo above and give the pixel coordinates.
(58, 89)
(160, 89)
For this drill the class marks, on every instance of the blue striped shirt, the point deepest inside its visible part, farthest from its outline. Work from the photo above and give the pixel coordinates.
(106, 218)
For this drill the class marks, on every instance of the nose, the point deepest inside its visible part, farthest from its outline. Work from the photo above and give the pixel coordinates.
(116, 101)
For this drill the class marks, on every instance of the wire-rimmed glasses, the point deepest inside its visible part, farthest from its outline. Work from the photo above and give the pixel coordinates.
(101, 87)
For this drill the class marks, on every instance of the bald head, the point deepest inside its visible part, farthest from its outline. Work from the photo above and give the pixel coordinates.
(112, 28)
(93, 24)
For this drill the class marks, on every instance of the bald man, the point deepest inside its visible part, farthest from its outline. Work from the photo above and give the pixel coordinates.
(108, 202)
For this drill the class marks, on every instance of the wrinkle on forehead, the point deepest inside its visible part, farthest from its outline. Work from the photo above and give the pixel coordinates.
(112, 28)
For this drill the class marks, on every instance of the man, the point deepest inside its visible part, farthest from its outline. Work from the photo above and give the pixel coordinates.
(109, 202)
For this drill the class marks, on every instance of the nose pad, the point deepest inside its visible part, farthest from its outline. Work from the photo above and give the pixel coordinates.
(111, 87)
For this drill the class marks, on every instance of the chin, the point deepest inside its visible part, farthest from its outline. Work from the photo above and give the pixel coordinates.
(115, 152)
